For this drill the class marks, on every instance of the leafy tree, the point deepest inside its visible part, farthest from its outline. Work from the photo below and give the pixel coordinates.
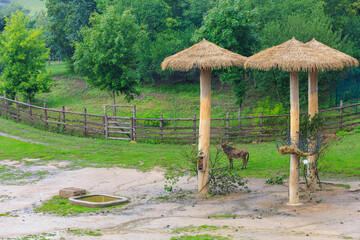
(66, 18)
(303, 27)
(277, 10)
(106, 57)
(153, 15)
(232, 24)
(195, 11)
(23, 54)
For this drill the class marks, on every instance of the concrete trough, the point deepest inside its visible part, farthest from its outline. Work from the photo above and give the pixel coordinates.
(97, 200)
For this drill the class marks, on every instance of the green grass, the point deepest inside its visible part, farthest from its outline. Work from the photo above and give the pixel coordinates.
(82, 232)
(192, 228)
(346, 186)
(10, 175)
(43, 236)
(223, 216)
(265, 162)
(173, 101)
(57, 68)
(61, 207)
(200, 237)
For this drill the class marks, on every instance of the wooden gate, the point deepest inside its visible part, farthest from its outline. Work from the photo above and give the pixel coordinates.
(120, 128)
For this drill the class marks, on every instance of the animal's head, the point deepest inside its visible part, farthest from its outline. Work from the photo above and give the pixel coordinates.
(224, 144)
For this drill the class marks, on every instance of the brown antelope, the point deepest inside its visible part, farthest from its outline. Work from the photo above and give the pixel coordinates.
(235, 153)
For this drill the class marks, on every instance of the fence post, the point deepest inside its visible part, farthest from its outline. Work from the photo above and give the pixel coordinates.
(30, 109)
(63, 117)
(5, 104)
(227, 125)
(17, 109)
(46, 117)
(261, 125)
(134, 124)
(341, 112)
(161, 126)
(106, 124)
(85, 131)
(194, 126)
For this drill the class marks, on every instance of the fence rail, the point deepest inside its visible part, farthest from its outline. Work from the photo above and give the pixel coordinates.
(262, 127)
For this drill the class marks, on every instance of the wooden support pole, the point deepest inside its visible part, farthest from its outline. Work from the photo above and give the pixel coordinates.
(294, 134)
(85, 130)
(204, 130)
(161, 127)
(313, 105)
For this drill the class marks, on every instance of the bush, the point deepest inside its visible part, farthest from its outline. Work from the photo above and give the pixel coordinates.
(342, 133)
(269, 107)
(154, 123)
(276, 179)
(357, 129)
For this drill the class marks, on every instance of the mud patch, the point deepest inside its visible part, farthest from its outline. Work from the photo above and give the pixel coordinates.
(258, 214)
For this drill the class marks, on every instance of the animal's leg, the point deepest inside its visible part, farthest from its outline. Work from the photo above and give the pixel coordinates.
(231, 163)
(247, 159)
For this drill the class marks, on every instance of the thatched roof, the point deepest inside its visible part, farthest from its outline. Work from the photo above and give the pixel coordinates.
(342, 57)
(203, 55)
(291, 56)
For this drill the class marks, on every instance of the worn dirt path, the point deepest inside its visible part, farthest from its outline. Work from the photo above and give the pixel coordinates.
(260, 213)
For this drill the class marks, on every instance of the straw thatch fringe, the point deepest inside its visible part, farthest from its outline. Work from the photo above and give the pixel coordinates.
(291, 150)
(342, 57)
(293, 56)
(203, 55)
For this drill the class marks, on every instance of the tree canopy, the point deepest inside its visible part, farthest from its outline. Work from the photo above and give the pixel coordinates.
(23, 54)
(106, 55)
(165, 27)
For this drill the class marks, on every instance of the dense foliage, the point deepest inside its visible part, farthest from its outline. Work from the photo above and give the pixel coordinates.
(23, 55)
(106, 56)
(245, 27)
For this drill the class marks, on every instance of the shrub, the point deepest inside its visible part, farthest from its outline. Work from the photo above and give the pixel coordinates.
(154, 123)
(269, 107)
(342, 133)
(357, 129)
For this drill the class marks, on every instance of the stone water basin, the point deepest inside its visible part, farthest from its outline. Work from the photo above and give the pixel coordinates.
(97, 200)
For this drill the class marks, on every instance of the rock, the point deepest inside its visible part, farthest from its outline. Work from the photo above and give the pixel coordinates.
(71, 192)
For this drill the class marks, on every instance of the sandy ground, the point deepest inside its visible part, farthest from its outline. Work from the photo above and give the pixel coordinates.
(261, 213)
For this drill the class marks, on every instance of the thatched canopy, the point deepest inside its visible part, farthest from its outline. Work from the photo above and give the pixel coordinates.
(345, 59)
(203, 55)
(292, 56)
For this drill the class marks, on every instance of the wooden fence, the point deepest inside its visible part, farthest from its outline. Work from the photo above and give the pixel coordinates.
(249, 128)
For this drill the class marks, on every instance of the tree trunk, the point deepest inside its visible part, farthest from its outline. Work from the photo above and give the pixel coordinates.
(204, 130)
(294, 134)
(239, 114)
(313, 109)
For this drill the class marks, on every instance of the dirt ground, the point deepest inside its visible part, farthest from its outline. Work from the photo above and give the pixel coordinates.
(261, 213)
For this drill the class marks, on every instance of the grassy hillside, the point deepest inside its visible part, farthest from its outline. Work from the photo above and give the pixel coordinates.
(173, 101)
